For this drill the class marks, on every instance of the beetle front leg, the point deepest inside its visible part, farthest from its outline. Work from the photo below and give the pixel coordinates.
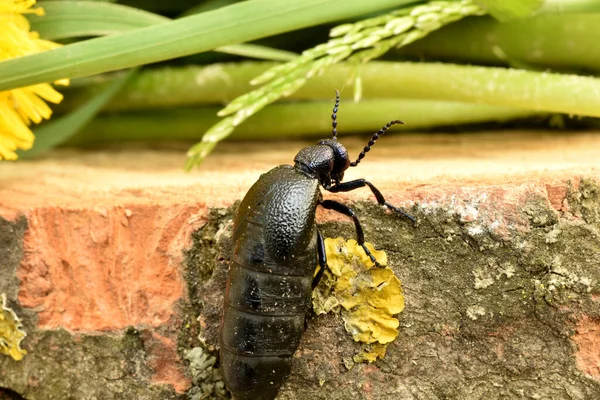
(358, 183)
(360, 237)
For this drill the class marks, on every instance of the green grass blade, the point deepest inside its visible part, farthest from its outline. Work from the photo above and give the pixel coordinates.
(207, 5)
(59, 130)
(245, 21)
(72, 19)
(506, 10)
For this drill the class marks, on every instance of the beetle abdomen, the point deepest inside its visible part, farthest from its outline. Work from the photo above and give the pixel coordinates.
(267, 294)
(261, 335)
(261, 329)
(270, 281)
(254, 378)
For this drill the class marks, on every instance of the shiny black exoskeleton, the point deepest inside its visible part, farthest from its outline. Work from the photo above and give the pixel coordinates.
(275, 246)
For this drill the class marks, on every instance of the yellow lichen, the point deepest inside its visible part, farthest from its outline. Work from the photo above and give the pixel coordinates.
(366, 296)
(10, 332)
(371, 353)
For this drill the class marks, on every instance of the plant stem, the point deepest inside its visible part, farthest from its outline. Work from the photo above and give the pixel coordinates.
(299, 119)
(536, 91)
(560, 42)
(173, 87)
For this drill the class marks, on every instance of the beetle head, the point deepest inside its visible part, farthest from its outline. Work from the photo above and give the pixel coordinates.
(326, 161)
(341, 162)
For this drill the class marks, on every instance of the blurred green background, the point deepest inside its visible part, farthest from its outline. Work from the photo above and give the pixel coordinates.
(153, 71)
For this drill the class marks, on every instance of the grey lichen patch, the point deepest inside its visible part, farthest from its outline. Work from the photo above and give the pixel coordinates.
(564, 277)
(206, 379)
(585, 200)
(507, 270)
(475, 312)
(200, 257)
(552, 236)
(540, 214)
(483, 278)
(493, 272)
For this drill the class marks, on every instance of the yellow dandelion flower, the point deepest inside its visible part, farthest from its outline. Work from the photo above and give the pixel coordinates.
(20, 107)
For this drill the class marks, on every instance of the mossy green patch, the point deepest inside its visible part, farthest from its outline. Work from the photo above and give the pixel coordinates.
(62, 365)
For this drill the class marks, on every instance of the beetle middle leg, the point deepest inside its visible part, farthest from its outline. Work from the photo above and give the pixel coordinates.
(358, 183)
(344, 209)
(322, 255)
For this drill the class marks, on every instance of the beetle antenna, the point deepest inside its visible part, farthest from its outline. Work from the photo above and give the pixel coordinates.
(334, 115)
(373, 140)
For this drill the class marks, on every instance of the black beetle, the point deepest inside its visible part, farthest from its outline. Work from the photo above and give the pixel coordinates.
(275, 245)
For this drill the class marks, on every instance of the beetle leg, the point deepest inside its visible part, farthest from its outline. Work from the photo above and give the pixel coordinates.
(360, 237)
(322, 259)
(358, 183)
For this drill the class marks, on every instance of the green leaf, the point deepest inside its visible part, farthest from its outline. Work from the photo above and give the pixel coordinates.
(241, 22)
(207, 5)
(59, 130)
(72, 19)
(506, 10)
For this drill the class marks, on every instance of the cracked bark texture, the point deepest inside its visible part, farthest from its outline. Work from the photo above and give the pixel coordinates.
(501, 275)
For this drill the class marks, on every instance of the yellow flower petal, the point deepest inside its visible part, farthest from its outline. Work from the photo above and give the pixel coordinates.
(46, 92)
(12, 125)
(19, 107)
(7, 149)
